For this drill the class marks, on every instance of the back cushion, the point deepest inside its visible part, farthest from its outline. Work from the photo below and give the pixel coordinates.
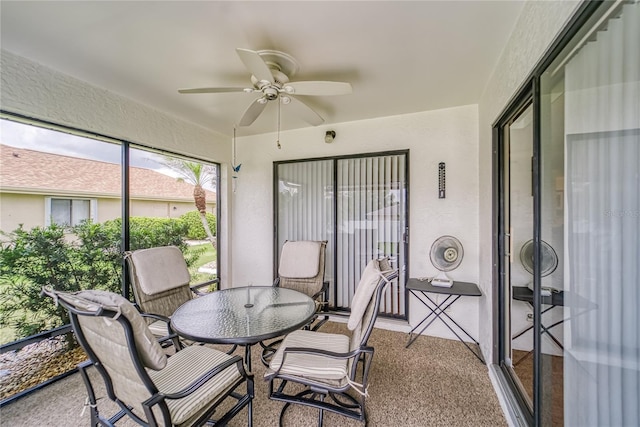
(150, 352)
(300, 259)
(364, 293)
(160, 269)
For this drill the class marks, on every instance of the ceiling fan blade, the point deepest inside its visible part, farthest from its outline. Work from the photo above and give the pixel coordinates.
(214, 90)
(318, 88)
(305, 112)
(254, 63)
(251, 114)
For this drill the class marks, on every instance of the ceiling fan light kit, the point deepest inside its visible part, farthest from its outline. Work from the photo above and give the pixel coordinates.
(271, 71)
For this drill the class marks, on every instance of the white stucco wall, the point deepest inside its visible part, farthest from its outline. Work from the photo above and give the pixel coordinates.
(537, 26)
(448, 135)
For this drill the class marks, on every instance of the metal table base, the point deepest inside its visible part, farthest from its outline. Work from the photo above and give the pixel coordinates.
(421, 288)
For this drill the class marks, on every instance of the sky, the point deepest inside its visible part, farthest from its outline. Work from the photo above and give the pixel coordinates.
(39, 139)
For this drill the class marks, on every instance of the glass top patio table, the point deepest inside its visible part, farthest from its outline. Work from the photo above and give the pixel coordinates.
(243, 316)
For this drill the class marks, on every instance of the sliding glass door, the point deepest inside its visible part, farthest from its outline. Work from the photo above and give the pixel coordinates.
(585, 225)
(359, 205)
(591, 208)
(517, 232)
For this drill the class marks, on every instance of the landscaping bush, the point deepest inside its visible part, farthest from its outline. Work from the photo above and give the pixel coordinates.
(86, 256)
(195, 230)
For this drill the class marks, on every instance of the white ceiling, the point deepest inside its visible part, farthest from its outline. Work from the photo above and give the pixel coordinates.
(400, 57)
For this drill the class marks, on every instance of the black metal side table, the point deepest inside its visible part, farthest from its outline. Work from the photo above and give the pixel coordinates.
(523, 293)
(421, 288)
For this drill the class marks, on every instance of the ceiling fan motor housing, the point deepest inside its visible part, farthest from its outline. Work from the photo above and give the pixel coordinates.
(270, 93)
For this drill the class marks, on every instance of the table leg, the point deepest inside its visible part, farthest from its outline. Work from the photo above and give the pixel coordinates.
(432, 312)
(247, 356)
(413, 338)
(438, 310)
(545, 329)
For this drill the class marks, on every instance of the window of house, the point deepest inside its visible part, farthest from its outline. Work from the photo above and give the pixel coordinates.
(69, 211)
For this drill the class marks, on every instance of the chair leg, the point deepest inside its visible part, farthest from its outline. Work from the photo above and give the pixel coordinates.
(321, 412)
(91, 398)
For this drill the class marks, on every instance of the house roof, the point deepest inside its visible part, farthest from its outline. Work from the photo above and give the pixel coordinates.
(36, 172)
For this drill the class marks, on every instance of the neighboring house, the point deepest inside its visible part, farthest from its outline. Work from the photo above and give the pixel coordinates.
(38, 188)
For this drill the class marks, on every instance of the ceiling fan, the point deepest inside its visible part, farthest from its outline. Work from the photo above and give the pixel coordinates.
(270, 73)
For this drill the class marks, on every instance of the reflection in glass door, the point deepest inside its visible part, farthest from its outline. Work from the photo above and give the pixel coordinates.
(518, 234)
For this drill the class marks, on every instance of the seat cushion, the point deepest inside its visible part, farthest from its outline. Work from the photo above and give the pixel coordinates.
(182, 369)
(311, 366)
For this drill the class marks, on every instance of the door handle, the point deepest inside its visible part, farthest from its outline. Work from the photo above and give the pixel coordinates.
(509, 253)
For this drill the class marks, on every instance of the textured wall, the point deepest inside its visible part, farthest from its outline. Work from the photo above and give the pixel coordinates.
(448, 135)
(33, 90)
(536, 28)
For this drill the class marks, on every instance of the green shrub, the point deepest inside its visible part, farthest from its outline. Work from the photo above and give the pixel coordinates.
(86, 256)
(195, 230)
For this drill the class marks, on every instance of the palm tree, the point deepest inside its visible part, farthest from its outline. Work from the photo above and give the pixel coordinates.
(199, 175)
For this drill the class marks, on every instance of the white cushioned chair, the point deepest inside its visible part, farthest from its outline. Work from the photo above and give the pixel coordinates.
(301, 268)
(160, 283)
(182, 390)
(326, 364)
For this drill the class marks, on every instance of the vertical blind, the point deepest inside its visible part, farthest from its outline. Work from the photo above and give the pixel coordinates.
(602, 110)
(369, 202)
(305, 205)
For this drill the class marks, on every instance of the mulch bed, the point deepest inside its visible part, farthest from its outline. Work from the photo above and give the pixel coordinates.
(35, 364)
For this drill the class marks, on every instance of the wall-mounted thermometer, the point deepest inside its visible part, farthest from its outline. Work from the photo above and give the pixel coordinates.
(441, 180)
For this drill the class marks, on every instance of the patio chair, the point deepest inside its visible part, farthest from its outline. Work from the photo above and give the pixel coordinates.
(160, 282)
(151, 388)
(327, 364)
(301, 268)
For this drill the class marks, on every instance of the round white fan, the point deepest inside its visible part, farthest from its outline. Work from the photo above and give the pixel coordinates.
(446, 255)
(270, 73)
(549, 261)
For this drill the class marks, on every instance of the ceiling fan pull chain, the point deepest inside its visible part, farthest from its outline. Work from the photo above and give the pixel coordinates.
(278, 141)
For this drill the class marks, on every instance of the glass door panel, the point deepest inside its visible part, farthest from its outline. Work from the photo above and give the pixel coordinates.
(371, 206)
(305, 205)
(519, 226)
(590, 158)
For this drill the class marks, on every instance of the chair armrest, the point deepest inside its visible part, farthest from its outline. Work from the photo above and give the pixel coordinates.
(323, 291)
(171, 336)
(156, 316)
(196, 288)
(325, 353)
(200, 381)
